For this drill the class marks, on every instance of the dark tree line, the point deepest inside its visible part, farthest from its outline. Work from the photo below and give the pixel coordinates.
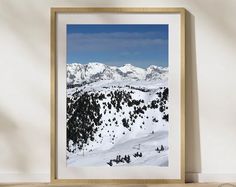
(84, 116)
(85, 119)
(119, 159)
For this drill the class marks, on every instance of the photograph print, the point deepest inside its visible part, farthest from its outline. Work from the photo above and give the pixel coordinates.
(117, 95)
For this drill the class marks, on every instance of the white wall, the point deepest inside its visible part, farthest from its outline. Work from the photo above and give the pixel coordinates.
(25, 86)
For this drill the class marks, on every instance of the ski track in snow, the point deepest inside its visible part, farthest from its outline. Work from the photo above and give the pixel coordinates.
(150, 156)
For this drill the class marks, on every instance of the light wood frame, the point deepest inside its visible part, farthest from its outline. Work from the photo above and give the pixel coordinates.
(54, 12)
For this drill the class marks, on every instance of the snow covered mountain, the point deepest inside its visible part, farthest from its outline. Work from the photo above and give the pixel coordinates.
(92, 72)
(117, 116)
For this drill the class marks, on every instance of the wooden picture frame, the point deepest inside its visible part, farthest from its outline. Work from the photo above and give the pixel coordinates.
(54, 94)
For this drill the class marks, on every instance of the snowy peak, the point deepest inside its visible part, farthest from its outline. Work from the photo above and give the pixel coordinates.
(95, 66)
(95, 71)
(152, 68)
(128, 67)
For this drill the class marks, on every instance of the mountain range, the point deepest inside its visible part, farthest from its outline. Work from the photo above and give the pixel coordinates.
(92, 72)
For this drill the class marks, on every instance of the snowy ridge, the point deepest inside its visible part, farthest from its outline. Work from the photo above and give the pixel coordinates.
(92, 72)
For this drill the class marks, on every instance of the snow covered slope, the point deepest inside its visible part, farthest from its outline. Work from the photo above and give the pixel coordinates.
(117, 116)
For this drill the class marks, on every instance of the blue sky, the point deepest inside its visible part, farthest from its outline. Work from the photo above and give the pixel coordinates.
(118, 44)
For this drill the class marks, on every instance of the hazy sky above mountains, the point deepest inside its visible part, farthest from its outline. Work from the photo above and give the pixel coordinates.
(139, 45)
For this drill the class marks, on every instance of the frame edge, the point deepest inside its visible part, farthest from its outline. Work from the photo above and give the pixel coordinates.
(53, 167)
(183, 30)
(53, 93)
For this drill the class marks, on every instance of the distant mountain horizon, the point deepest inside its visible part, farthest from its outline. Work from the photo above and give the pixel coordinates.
(119, 64)
(95, 71)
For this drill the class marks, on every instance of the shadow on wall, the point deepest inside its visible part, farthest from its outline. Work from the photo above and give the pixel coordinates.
(193, 144)
(11, 144)
(28, 37)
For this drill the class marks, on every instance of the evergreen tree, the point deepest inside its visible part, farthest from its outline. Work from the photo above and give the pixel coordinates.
(158, 150)
(162, 148)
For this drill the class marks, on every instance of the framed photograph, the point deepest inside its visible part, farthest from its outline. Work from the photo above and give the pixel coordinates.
(117, 95)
